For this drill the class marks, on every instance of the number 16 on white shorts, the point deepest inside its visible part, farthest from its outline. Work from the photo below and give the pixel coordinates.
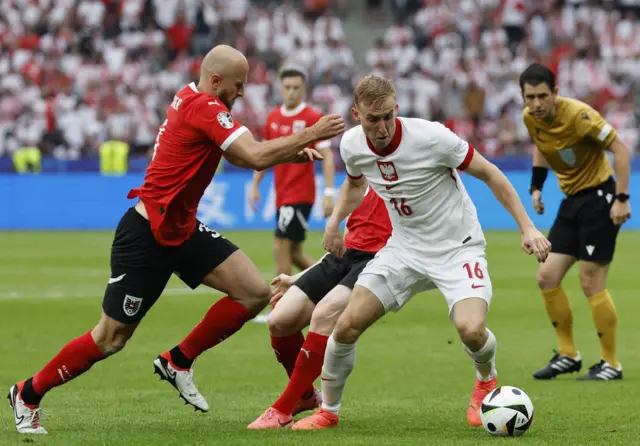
(396, 275)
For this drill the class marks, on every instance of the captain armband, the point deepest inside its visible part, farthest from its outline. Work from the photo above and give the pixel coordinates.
(538, 177)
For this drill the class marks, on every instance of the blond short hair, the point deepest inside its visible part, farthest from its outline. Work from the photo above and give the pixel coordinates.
(373, 90)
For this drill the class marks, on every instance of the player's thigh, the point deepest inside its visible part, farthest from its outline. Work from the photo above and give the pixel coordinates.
(292, 222)
(464, 276)
(239, 278)
(326, 313)
(291, 314)
(140, 270)
(321, 278)
(564, 231)
(202, 253)
(362, 311)
(597, 233)
(391, 279)
(333, 304)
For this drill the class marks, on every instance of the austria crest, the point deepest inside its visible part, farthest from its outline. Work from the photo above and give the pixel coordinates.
(568, 156)
(131, 305)
(225, 120)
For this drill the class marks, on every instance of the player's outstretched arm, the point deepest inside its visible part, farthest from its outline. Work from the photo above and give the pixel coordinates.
(350, 196)
(533, 242)
(262, 155)
(621, 209)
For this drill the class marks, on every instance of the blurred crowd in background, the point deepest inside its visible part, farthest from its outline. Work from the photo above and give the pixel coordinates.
(76, 73)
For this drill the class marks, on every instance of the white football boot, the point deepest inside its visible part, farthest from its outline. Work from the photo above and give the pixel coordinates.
(27, 418)
(182, 380)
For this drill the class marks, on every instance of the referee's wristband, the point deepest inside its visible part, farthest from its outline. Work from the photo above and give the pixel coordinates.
(538, 177)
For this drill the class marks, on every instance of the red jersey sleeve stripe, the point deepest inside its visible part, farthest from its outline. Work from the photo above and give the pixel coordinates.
(231, 138)
(467, 159)
(355, 177)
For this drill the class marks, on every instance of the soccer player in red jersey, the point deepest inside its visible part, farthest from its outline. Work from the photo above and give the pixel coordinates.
(160, 235)
(317, 298)
(295, 183)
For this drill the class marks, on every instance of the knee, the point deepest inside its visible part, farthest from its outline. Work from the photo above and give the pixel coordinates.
(473, 333)
(279, 326)
(258, 296)
(324, 317)
(109, 339)
(591, 281)
(347, 330)
(547, 279)
(297, 257)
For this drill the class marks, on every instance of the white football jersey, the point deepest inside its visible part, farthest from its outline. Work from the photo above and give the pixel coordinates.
(429, 207)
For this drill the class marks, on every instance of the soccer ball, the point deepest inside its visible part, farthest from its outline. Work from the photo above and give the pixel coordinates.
(506, 412)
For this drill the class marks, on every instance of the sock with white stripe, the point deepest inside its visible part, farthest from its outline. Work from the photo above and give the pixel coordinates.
(484, 359)
(339, 360)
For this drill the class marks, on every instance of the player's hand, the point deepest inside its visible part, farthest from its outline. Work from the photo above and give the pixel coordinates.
(538, 205)
(328, 126)
(282, 283)
(332, 241)
(254, 198)
(307, 155)
(620, 212)
(327, 206)
(533, 242)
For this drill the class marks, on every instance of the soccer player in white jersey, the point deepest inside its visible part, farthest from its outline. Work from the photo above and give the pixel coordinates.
(437, 241)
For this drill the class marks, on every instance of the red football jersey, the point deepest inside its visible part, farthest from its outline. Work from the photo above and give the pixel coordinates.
(186, 154)
(369, 226)
(295, 183)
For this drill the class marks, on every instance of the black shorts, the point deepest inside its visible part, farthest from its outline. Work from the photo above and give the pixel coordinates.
(141, 268)
(323, 277)
(291, 221)
(583, 227)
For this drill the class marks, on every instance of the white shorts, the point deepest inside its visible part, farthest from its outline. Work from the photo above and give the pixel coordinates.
(395, 275)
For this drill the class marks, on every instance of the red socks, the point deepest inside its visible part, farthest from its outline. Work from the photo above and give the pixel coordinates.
(73, 360)
(287, 349)
(308, 367)
(223, 319)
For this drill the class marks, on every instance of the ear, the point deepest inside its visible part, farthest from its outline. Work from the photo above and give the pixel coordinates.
(215, 80)
(396, 108)
(356, 115)
(555, 90)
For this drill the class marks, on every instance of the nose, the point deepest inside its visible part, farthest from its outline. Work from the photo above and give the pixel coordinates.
(382, 127)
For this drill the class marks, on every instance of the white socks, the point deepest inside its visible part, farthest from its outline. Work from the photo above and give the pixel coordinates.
(339, 360)
(485, 359)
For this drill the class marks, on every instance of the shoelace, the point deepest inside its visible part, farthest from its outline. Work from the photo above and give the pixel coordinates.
(34, 416)
(190, 381)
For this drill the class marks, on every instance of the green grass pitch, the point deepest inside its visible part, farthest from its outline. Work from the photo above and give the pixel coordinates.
(411, 384)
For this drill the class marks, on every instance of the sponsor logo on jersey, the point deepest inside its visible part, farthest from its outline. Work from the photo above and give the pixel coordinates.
(225, 119)
(388, 170)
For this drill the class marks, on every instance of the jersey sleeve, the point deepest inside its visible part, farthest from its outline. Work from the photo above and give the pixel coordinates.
(456, 153)
(214, 120)
(352, 171)
(589, 123)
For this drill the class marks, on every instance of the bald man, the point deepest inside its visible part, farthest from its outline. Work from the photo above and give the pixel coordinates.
(161, 235)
